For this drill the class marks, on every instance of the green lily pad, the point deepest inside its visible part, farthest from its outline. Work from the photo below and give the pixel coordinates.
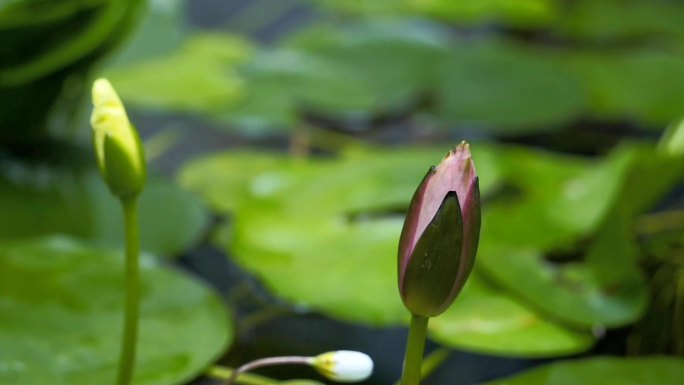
(47, 201)
(389, 62)
(516, 12)
(61, 305)
(549, 200)
(552, 212)
(603, 371)
(337, 215)
(335, 225)
(633, 21)
(205, 64)
(487, 320)
(352, 74)
(507, 89)
(636, 85)
(308, 217)
(223, 180)
(571, 291)
(161, 30)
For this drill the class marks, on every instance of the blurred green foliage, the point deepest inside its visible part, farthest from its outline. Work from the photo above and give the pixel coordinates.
(561, 70)
(47, 51)
(566, 252)
(603, 370)
(61, 306)
(44, 200)
(339, 216)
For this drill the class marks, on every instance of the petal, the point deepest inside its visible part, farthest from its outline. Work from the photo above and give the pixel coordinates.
(435, 262)
(455, 172)
(408, 238)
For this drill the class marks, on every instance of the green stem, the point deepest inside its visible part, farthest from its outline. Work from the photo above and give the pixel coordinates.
(678, 313)
(414, 350)
(263, 362)
(132, 299)
(223, 373)
(431, 363)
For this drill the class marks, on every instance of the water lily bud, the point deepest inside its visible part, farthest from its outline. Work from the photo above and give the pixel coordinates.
(117, 144)
(440, 236)
(344, 365)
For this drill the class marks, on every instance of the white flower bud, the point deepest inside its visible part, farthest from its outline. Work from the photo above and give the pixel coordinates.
(343, 365)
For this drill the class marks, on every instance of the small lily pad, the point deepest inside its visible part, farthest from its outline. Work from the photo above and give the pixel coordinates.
(507, 89)
(223, 180)
(352, 74)
(603, 371)
(633, 85)
(516, 12)
(46, 201)
(61, 304)
(205, 64)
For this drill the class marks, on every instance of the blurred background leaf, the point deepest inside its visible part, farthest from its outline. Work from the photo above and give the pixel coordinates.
(43, 201)
(61, 305)
(603, 370)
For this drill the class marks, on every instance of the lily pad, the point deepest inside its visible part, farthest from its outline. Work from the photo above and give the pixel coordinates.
(392, 62)
(486, 319)
(340, 215)
(337, 216)
(552, 212)
(61, 305)
(635, 22)
(48, 201)
(351, 74)
(205, 64)
(161, 30)
(603, 371)
(550, 200)
(335, 224)
(633, 85)
(516, 12)
(223, 180)
(507, 89)
(571, 292)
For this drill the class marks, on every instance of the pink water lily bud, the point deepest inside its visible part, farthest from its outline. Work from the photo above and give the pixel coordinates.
(441, 232)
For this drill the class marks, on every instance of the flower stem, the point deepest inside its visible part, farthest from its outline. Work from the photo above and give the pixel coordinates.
(132, 297)
(414, 350)
(270, 361)
(223, 373)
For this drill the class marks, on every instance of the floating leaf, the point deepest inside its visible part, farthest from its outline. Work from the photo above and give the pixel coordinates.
(200, 77)
(549, 200)
(352, 74)
(603, 371)
(571, 292)
(517, 12)
(635, 85)
(61, 305)
(335, 225)
(508, 89)
(223, 180)
(161, 30)
(551, 211)
(45, 201)
(634, 22)
(487, 320)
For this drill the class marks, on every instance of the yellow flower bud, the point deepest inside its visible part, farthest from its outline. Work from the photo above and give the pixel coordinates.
(117, 144)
